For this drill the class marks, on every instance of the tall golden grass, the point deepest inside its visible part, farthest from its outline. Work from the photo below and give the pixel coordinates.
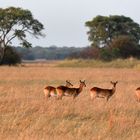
(25, 114)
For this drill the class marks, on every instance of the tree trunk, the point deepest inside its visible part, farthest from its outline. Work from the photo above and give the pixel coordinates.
(2, 53)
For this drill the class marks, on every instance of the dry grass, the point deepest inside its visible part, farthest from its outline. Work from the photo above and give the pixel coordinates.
(25, 114)
(117, 63)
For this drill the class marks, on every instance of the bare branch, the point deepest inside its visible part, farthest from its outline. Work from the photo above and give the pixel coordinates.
(8, 41)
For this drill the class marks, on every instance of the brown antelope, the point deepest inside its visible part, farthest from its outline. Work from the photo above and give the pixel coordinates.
(66, 91)
(137, 94)
(50, 91)
(97, 92)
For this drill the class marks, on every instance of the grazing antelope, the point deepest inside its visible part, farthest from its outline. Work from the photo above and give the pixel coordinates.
(66, 91)
(50, 91)
(103, 93)
(137, 94)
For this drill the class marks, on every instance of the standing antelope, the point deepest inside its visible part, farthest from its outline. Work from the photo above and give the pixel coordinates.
(66, 91)
(103, 93)
(50, 91)
(137, 94)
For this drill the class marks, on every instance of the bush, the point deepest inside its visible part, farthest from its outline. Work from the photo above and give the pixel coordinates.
(11, 57)
(124, 47)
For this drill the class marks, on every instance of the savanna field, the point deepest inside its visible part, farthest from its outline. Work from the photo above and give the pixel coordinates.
(25, 114)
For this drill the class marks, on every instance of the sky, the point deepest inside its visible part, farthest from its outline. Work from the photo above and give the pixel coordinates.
(64, 20)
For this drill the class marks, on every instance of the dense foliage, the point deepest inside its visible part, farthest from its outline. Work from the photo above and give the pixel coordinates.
(11, 57)
(113, 37)
(103, 29)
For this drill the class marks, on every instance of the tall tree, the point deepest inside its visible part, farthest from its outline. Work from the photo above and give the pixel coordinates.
(103, 29)
(17, 23)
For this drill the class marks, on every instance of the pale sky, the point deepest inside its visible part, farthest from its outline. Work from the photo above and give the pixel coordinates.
(64, 20)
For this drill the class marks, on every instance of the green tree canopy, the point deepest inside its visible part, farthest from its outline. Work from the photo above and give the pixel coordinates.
(103, 29)
(17, 23)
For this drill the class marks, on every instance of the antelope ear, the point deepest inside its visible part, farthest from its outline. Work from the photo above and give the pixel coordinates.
(80, 81)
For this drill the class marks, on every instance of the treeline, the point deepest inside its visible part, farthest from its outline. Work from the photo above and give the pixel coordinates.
(48, 53)
(111, 38)
(121, 47)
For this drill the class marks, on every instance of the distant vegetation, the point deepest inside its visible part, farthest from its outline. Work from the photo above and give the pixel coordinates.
(47, 53)
(128, 50)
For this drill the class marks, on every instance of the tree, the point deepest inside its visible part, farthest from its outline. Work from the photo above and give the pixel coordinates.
(103, 29)
(17, 23)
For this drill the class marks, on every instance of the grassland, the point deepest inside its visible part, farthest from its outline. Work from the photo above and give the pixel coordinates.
(26, 115)
(118, 63)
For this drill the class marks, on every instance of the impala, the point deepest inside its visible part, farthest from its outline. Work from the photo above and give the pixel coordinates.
(66, 91)
(137, 94)
(50, 91)
(97, 92)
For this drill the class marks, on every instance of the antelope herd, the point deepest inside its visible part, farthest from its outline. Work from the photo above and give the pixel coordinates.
(50, 91)
(67, 91)
(95, 92)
